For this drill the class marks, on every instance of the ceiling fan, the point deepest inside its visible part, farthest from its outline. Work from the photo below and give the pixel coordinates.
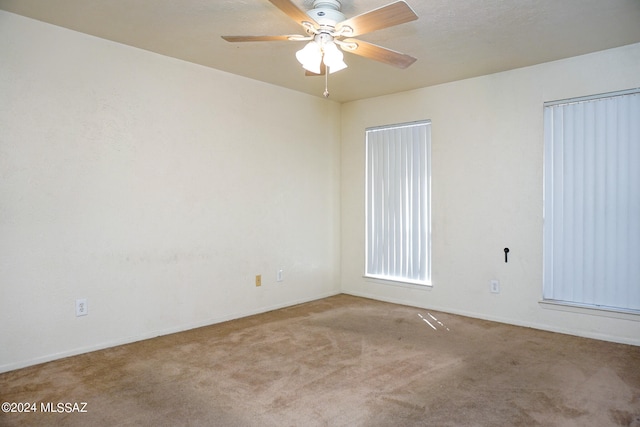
(326, 28)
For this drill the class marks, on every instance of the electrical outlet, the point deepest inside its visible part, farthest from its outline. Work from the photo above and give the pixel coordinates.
(259, 280)
(82, 309)
(495, 286)
(279, 276)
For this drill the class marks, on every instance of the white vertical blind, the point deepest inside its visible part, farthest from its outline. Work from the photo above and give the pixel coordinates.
(398, 202)
(592, 201)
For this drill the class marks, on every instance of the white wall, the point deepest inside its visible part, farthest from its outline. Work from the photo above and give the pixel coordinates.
(155, 188)
(487, 136)
(158, 189)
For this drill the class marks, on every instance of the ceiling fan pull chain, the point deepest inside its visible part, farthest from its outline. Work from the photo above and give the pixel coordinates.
(326, 83)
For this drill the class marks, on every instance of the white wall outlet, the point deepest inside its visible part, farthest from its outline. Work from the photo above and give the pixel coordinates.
(495, 286)
(279, 276)
(82, 309)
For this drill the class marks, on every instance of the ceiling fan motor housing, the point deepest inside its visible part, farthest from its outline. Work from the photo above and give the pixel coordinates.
(327, 4)
(326, 12)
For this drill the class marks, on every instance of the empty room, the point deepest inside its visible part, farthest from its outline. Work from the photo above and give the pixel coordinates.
(320, 213)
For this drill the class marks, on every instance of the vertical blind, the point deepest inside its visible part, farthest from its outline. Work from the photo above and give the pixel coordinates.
(398, 202)
(592, 201)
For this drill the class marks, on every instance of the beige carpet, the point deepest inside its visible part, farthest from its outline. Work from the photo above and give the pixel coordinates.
(341, 361)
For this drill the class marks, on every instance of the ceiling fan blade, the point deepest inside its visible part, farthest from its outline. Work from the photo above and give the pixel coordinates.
(293, 11)
(386, 16)
(381, 54)
(235, 39)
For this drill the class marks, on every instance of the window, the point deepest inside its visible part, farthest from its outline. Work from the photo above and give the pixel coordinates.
(592, 201)
(398, 217)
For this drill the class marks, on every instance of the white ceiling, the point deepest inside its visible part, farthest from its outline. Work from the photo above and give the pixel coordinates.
(452, 39)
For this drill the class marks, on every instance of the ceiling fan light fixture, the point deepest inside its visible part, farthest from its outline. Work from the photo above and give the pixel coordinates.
(329, 34)
(310, 57)
(333, 58)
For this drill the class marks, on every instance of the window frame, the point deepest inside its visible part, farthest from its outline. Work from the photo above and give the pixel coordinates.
(549, 260)
(426, 197)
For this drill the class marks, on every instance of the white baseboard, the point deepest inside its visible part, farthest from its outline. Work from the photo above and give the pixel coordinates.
(153, 334)
(533, 325)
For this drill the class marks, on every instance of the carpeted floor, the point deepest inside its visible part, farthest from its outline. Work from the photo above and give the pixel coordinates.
(341, 361)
